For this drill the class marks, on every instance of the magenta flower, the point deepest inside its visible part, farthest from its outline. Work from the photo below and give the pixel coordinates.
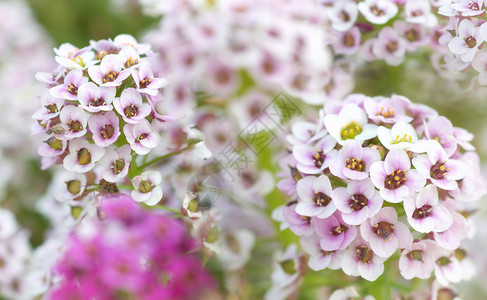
(141, 137)
(469, 8)
(334, 233)
(358, 201)
(74, 120)
(300, 225)
(50, 108)
(69, 89)
(394, 177)
(360, 260)
(467, 41)
(385, 234)
(116, 163)
(105, 128)
(314, 195)
(145, 81)
(314, 159)
(82, 156)
(353, 161)
(436, 167)
(95, 99)
(131, 107)
(109, 72)
(425, 213)
(419, 259)
(147, 188)
(320, 259)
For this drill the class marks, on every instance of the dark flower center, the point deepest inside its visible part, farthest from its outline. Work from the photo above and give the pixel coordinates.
(339, 230)
(131, 110)
(377, 11)
(52, 108)
(308, 219)
(364, 254)
(384, 229)
(392, 46)
(117, 166)
(415, 255)
(97, 102)
(84, 156)
(443, 261)
(321, 199)
(355, 164)
(344, 16)
(389, 113)
(423, 212)
(75, 126)
(438, 171)
(348, 40)
(72, 89)
(107, 131)
(357, 202)
(319, 158)
(470, 41)
(130, 62)
(144, 83)
(74, 186)
(110, 76)
(54, 143)
(395, 180)
(141, 137)
(412, 35)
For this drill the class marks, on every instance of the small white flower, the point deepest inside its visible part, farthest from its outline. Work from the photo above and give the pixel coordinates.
(402, 135)
(147, 188)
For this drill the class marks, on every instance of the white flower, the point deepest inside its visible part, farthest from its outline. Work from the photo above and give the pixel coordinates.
(82, 156)
(402, 135)
(147, 188)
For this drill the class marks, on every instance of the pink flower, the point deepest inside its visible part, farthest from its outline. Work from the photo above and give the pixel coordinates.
(348, 42)
(131, 107)
(314, 195)
(313, 159)
(467, 41)
(469, 8)
(419, 12)
(69, 89)
(353, 161)
(436, 166)
(320, 259)
(334, 233)
(116, 163)
(394, 177)
(129, 57)
(82, 156)
(74, 120)
(109, 72)
(50, 108)
(385, 234)
(378, 11)
(300, 225)
(358, 201)
(147, 188)
(450, 239)
(389, 46)
(360, 260)
(141, 137)
(52, 147)
(414, 35)
(145, 81)
(419, 259)
(342, 15)
(387, 110)
(105, 128)
(425, 213)
(441, 130)
(95, 99)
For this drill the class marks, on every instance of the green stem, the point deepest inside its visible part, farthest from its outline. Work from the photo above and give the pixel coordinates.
(168, 155)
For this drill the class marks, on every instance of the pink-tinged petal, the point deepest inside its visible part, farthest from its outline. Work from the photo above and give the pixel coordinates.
(319, 262)
(403, 235)
(450, 239)
(327, 211)
(455, 169)
(348, 237)
(396, 159)
(352, 149)
(354, 175)
(301, 229)
(96, 74)
(427, 196)
(424, 225)
(341, 199)
(128, 130)
(156, 196)
(366, 231)
(308, 209)
(386, 214)
(378, 174)
(422, 165)
(61, 91)
(356, 217)
(322, 184)
(364, 187)
(395, 196)
(383, 247)
(370, 156)
(445, 184)
(457, 45)
(442, 218)
(370, 271)
(466, 28)
(414, 181)
(349, 263)
(305, 189)
(151, 141)
(409, 206)
(375, 204)
(331, 242)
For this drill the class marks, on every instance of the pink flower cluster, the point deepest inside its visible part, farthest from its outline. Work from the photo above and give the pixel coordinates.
(411, 25)
(130, 253)
(101, 109)
(220, 48)
(375, 175)
(464, 36)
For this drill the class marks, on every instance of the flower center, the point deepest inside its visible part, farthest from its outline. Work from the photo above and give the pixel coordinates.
(338, 230)
(377, 11)
(117, 166)
(141, 137)
(107, 131)
(52, 108)
(355, 164)
(405, 139)
(144, 83)
(54, 143)
(97, 102)
(130, 62)
(321, 199)
(384, 229)
(415, 255)
(423, 212)
(389, 113)
(395, 180)
(326, 253)
(470, 41)
(364, 254)
(73, 90)
(438, 171)
(344, 16)
(73, 186)
(351, 130)
(443, 261)
(412, 35)
(84, 156)
(357, 202)
(131, 110)
(473, 6)
(75, 126)
(145, 186)
(110, 76)
(392, 46)
(319, 158)
(348, 40)
(308, 219)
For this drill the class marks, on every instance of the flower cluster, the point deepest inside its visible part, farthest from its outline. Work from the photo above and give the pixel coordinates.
(223, 47)
(102, 108)
(381, 29)
(464, 35)
(150, 262)
(376, 175)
